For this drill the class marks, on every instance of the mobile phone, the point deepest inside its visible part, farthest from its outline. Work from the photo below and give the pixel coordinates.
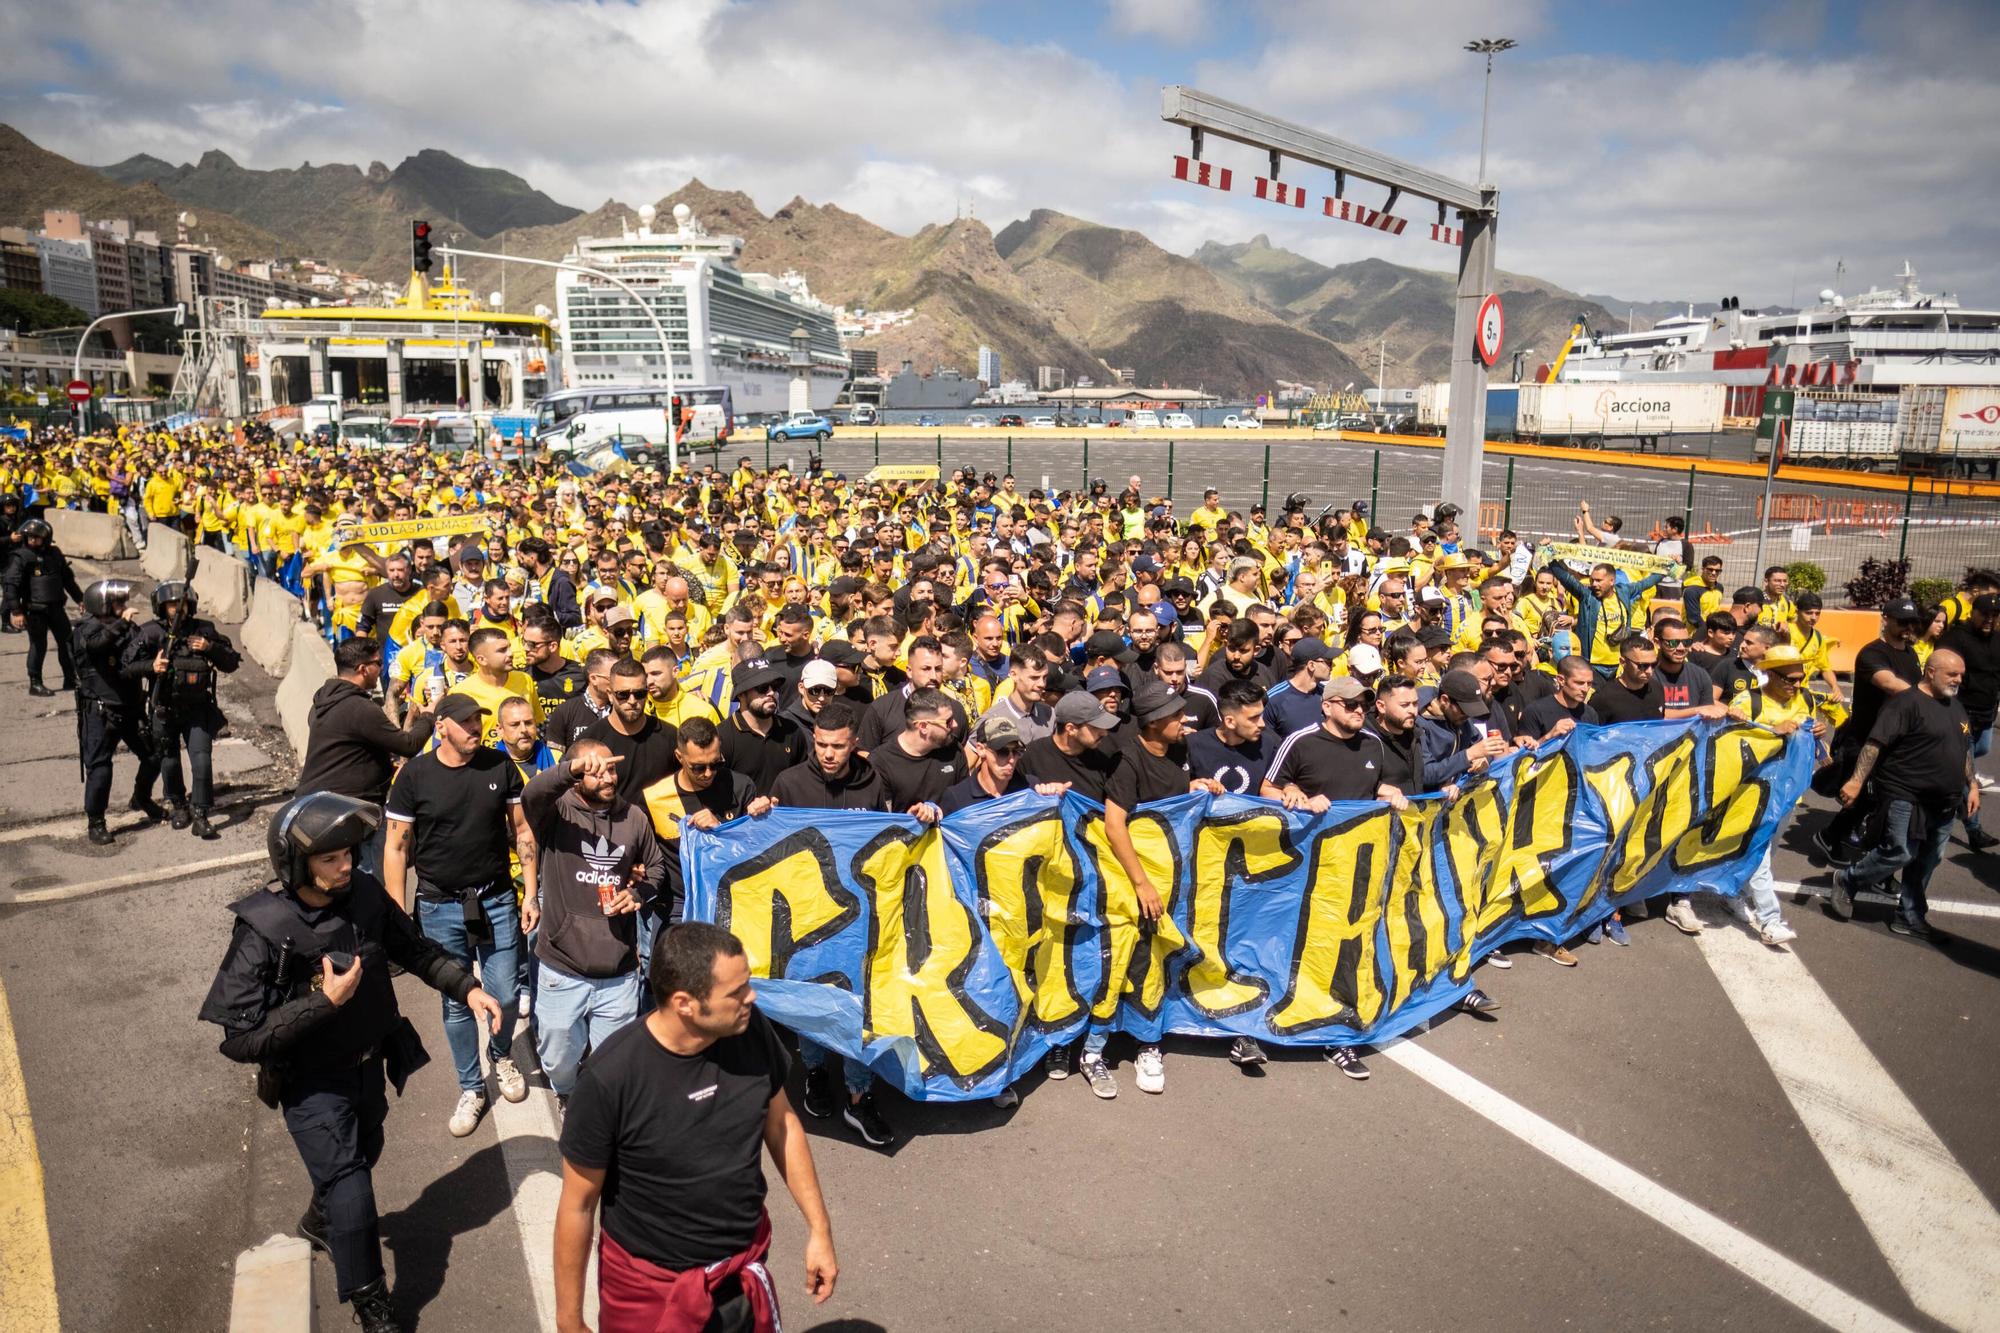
(341, 961)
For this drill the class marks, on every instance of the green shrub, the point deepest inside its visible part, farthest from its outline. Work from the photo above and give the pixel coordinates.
(1806, 577)
(1930, 592)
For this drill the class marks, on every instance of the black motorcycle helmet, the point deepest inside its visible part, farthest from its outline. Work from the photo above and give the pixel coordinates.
(174, 590)
(99, 596)
(10, 501)
(320, 821)
(35, 527)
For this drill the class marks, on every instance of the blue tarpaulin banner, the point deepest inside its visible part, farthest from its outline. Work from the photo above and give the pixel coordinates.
(948, 959)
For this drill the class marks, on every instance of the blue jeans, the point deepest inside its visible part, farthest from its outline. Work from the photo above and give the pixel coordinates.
(1898, 850)
(577, 1014)
(445, 923)
(857, 1076)
(1982, 745)
(1761, 889)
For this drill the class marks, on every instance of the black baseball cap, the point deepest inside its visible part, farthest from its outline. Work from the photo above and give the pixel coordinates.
(1111, 644)
(1906, 611)
(462, 709)
(841, 653)
(1462, 688)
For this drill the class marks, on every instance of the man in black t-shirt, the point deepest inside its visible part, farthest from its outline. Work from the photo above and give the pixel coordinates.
(1686, 690)
(1919, 757)
(920, 762)
(450, 813)
(568, 720)
(702, 792)
(1336, 761)
(667, 1129)
(1237, 751)
(1152, 768)
(1882, 669)
(1977, 640)
(1561, 712)
(1633, 695)
(1071, 752)
(758, 741)
(644, 744)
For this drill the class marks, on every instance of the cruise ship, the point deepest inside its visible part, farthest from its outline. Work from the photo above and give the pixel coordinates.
(1880, 340)
(725, 326)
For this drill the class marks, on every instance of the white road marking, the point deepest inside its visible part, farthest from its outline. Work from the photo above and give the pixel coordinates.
(1937, 1230)
(1747, 1255)
(150, 875)
(528, 1139)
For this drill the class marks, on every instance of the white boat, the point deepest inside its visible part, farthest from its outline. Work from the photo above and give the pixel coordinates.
(724, 326)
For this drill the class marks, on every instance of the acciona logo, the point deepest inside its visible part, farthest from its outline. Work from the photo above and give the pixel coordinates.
(603, 859)
(1609, 404)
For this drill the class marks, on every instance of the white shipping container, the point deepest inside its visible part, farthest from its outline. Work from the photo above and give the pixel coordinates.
(1971, 422)
(1620, 410)
(1434, 404)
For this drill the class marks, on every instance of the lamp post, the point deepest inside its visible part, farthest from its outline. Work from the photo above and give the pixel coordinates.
(666, 348)
(178, 310)
(1488, 47)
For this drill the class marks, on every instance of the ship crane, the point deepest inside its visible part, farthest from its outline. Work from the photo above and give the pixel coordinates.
(1580, 329)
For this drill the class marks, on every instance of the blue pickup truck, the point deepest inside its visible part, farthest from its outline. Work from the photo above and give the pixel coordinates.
(801, 426)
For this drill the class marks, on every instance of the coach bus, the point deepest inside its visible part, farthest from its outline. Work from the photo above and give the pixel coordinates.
(637, 418)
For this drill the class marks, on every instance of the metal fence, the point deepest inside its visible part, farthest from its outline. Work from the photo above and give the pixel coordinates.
(1940, 527)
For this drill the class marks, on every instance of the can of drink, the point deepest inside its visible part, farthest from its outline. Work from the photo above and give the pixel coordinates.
(605, 893)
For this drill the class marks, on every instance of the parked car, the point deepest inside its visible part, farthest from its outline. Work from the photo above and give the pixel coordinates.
(978, 422)
(1142, 421)
(803, 426)
(862, 415)
(1010, 419)
(1042, 423)
(1327, 423)
(1235, 422)
(1179, 421)
(927, 420)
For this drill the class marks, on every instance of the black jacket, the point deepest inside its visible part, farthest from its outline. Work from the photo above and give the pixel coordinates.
(351, 745)
(267, 994)
(98, 647)
(193, 674)
(859, 787)
(35, 580)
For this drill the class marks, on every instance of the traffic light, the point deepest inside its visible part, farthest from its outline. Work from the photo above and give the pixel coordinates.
(420, 246)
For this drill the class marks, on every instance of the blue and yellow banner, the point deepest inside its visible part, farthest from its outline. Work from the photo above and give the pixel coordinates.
(949, 959)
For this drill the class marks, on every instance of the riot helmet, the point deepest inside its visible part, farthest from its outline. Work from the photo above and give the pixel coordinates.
(317, 822)
(35, 528)
(10, 501)
(99, 596)
(174, 590)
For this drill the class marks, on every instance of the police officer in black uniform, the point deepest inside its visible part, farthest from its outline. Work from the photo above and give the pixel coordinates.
(176, 656)
(36, 579)
(304, 994)
(109, 705)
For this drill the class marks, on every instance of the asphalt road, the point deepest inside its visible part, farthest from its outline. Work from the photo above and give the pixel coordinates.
(1943, 535)
(1688, 1132)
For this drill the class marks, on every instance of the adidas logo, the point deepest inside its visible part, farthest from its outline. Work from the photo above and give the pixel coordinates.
(603, 859)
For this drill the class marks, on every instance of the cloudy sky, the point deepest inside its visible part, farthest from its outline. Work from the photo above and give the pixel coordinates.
(1647, 151)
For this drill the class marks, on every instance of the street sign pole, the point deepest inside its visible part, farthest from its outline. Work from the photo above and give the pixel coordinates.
(1478, 209)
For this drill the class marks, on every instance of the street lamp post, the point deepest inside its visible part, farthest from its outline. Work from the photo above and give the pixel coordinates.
(177, 310)
(666, 348)
(1488, 47)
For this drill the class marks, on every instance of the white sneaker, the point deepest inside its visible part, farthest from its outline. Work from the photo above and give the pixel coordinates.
(1739, 907)
(1152, 1069)
(1778, 935)
(525, 1004)
(1680, 915)
(1006, 1098)
(471, 1108)
(507, 1075)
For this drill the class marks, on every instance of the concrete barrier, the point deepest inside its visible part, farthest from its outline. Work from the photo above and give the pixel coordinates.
(166, 554)
(91, 536)
(311, 667)
(222, 582)
(267, 630)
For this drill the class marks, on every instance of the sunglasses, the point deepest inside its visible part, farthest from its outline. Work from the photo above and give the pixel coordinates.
(628, 696)
(703, 768)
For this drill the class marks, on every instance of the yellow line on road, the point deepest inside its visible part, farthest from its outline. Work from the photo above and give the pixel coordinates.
(27, 1266)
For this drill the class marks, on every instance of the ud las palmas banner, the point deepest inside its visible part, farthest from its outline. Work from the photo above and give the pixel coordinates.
(949, 959)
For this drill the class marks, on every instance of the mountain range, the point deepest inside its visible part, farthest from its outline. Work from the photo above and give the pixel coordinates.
(1048, 289)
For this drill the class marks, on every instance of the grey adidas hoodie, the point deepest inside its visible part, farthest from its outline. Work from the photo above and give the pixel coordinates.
(581, 847)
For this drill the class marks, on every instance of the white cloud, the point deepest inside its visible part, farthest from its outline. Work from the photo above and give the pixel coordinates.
(1639, 177)
(1181, 22)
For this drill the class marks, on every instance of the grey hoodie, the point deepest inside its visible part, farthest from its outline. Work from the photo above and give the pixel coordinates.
(581, 848)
